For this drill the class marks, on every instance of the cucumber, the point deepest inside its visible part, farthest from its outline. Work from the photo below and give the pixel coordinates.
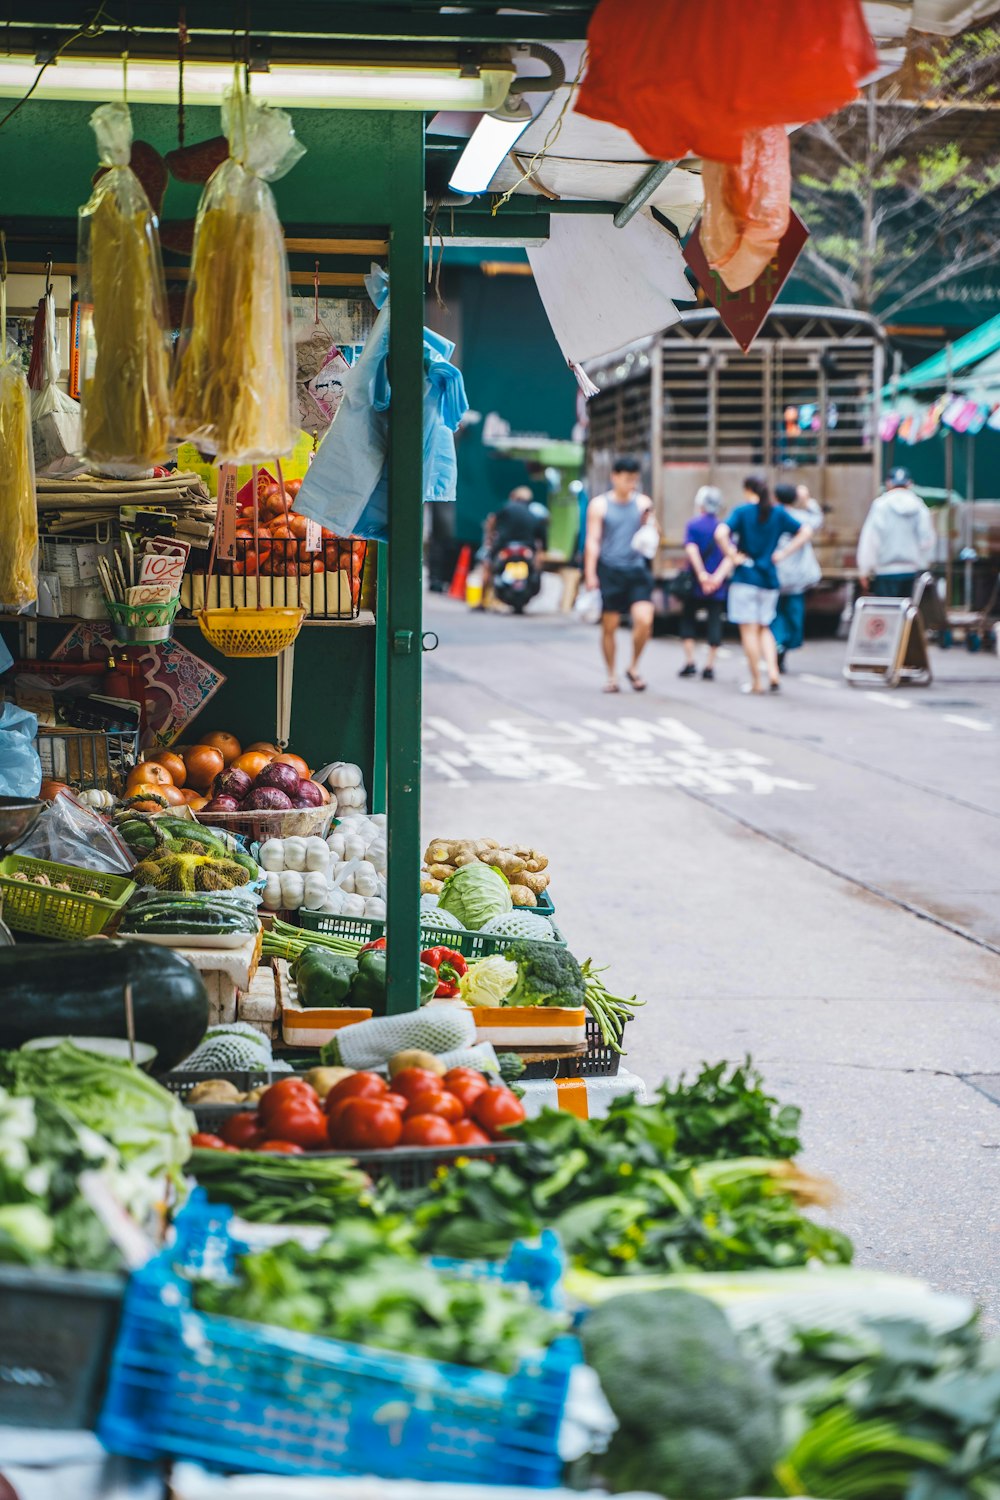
(78, 989)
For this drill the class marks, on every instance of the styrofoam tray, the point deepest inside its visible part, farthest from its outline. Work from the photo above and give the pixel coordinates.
(199, 940)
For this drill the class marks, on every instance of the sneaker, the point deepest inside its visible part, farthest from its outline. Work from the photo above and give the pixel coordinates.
(708, 675)
(689, 671)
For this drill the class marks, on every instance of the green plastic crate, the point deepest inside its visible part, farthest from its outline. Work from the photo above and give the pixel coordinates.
(47, 912)
(367, 929)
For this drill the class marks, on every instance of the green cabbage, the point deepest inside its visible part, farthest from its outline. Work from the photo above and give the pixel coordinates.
(489, 981)
(474, 894)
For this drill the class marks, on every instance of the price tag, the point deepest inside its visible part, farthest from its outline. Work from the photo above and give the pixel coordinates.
(157, 568)
(314, 536)
(227, 511)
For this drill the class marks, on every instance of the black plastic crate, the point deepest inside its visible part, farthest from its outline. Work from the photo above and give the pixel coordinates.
(409, 1166)
(599, 1060)
(181, 1081)
(57, 1331)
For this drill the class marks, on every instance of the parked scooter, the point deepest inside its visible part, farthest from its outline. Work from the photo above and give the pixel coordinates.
(516, 576)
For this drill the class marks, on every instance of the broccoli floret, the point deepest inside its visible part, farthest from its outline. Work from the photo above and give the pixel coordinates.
(702, 1419)
(548, 974)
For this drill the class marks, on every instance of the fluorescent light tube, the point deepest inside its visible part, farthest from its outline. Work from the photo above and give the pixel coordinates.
(350, 86)
(487, 147)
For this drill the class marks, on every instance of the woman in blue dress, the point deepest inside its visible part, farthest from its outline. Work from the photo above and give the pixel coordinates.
(756, 537)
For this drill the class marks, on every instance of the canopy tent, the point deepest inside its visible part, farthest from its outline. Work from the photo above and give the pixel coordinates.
(973, 360)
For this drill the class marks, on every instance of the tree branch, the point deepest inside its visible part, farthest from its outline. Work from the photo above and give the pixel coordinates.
(947, 273)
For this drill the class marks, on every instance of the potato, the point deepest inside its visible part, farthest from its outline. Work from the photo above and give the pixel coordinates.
(324, 1079)
(415, 1058)
(214, 1091)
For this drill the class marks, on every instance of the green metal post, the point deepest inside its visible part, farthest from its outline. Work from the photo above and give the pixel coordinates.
(381, 679)
(404, 143)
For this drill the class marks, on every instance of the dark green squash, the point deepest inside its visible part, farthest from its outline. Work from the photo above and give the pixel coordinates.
(78, 989)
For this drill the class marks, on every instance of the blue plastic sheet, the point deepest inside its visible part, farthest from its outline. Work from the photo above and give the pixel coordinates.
(20, 766)
(347, 487)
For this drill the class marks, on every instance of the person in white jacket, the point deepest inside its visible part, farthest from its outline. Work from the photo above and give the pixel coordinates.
(897, 540)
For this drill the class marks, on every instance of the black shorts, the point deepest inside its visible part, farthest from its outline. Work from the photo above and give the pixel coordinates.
(714, 611)
(623, 587)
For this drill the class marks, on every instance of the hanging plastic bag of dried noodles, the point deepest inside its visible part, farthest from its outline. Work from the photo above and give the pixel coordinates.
(234, 376)
(125, 341)
(18, 512)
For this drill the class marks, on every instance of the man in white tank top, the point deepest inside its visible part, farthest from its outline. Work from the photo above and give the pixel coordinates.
(621, 541)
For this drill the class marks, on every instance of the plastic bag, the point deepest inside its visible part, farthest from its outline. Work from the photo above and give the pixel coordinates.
(234, 379)
(72, 834)
(18, 511)
(55, 417)
(776, 62)
(20, 764)
(747, 207)
(347, 486)
(125, 407)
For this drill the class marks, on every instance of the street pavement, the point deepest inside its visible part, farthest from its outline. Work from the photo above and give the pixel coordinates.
(810, 878)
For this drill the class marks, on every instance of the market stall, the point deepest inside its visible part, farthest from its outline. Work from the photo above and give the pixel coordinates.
(321, 1154)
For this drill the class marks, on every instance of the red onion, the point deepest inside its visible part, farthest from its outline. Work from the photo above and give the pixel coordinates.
(280, 775)
(267, 799)
(309, 795)
(222, 804)
(232, 783)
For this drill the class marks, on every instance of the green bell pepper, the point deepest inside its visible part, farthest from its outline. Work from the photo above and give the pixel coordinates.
(369, 988)
(325, 979)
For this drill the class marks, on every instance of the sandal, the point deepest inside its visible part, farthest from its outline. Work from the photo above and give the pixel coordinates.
(637, 684)
(611, 687)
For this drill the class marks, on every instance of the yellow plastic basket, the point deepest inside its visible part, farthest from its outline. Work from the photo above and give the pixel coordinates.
(250, 632)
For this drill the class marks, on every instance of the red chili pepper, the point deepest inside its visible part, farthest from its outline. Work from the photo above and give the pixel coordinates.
(450, 966)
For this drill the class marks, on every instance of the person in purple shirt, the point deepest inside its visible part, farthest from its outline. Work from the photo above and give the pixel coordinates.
(709, 570)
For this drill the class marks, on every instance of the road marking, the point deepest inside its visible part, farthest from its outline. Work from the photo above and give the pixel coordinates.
(966, 723)
(886, 702)
(594, 754)
(825, 682)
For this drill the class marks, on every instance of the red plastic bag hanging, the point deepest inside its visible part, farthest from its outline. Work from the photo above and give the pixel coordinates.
(747, 207)
(689, 77)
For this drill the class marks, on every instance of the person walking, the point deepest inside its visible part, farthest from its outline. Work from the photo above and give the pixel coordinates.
(750, 539)
(621, 542)
(897, 540)
(706, 586)
(796, 574)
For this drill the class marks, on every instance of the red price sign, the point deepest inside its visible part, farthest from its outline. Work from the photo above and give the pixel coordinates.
(161, 569)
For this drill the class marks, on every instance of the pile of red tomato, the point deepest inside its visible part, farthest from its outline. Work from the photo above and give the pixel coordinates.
(364, 1113)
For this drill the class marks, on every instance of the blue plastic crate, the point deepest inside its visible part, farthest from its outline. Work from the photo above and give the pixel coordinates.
(242, 1397)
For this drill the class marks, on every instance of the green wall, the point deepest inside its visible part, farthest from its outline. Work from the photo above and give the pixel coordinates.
(512, 366)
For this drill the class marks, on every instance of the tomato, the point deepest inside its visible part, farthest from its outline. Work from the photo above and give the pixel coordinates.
(299, 1121)
(465, 1092)
(243, 1130)
(288, 1148)
(465, 1075)
(434, 1102)
(412, 1081)
(468, 1134)
(358, 1086)
(495, 1109)
(278, 1093)
(398, 1101)
(366, 1125)
(210, 1142)
(427, 1130)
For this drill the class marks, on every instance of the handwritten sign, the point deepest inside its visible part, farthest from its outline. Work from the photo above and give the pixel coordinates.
(227, 511)
(743, 312)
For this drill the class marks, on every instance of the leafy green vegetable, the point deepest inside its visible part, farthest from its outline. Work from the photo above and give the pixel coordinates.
(698, 1420)
(720, 1115)
(489, 981)
(145, 1122)
(625, 1201)
(366, 1286)
(281, 1189)
(547, 974)
(474, 894)
(893, 1409)
(43, 1218)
